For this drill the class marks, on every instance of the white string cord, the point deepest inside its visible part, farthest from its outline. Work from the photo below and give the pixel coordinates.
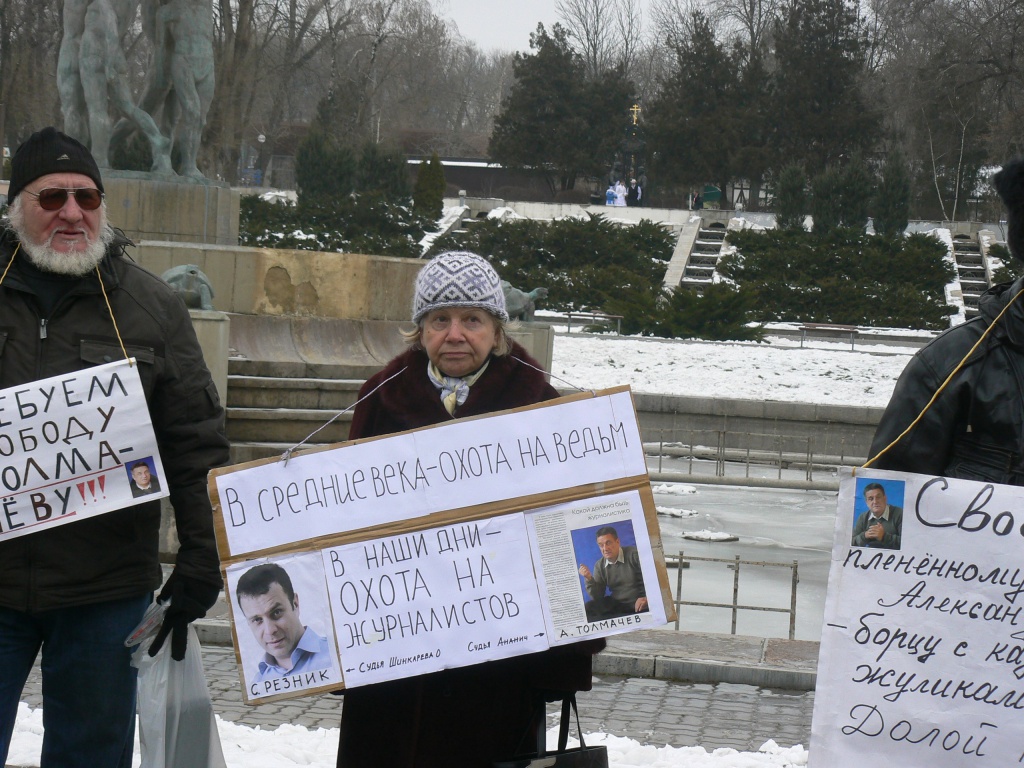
(288, 454)
(549, 373)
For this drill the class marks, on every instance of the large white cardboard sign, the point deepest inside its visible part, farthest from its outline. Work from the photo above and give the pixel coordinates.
(437, 598)
(517, 502)
(418, 473)
(430, 600)
(922, 652)
(68, 445)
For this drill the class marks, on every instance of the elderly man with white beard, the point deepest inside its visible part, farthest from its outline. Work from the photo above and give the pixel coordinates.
(70, 299)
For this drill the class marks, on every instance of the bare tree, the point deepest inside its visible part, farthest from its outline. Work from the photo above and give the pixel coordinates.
(592, 26)
(673, 20)
(267, 53)
(752, 19)
(629, 23)
(29, 41)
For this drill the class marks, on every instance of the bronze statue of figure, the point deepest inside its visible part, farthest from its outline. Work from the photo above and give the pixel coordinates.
(92, 77)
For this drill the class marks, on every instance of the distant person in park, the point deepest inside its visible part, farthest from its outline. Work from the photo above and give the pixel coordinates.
(71, 299)
(697, 201)
(609, 195)
(974, 429)
(144, 482)
(634, 193)
(271, 608)
(460, 363)
(620, 193)
(881, 525)
(616, 585)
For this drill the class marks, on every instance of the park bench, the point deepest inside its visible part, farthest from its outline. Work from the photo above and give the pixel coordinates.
(595, 317)
(828, 329)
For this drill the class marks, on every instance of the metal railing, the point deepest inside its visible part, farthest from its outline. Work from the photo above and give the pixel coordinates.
(747, 448)
(683, 562)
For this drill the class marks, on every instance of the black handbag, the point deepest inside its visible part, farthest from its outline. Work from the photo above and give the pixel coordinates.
(577, 757)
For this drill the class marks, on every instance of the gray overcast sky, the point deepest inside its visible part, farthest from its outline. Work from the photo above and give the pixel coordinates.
(504, 24)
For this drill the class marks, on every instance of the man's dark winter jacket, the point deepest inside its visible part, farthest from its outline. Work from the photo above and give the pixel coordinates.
(975, 428)
(470, 716)
(114, 555)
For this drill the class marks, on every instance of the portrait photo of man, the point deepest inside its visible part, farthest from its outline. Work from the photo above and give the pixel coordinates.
(270, 606)
(615, 584)
(143, 479)
(880, 526)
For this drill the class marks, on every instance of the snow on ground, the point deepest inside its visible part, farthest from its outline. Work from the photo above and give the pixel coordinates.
(777, 369)
(291, 745)
(678, 489)
(822, 372)
(706, 535)
(673, 512)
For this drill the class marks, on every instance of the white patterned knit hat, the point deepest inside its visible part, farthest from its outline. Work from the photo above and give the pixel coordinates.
(458, 279)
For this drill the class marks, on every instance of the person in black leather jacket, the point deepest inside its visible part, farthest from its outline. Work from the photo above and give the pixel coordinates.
(77, 590)
(975, 428)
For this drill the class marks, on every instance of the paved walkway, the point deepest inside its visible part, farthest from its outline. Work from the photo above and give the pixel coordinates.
(654, 686)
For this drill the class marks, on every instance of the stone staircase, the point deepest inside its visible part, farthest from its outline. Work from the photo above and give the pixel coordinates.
(707, 248)
(291, 377)
(971, 272)
(266, 415)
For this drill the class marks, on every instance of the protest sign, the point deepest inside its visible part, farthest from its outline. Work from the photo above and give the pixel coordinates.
(922, 651)
(476, 548)
(530, 452)
(68, 445)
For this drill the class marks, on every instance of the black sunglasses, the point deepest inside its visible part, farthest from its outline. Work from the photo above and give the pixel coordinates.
(54, 198)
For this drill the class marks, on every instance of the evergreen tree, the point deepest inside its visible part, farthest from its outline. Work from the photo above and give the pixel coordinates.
(753, 103)
(721, 313)
(323, 171)
(694, 122)
(826, 200)
(892, 201)
(856, 192)
(382, 172)
(554, 121)
(428, 194)
(791, 198)
(819, 111)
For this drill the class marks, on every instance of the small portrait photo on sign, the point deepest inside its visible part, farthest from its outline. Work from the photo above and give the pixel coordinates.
(878, 513)
(610, 573)
(285, 641)
(142, 476)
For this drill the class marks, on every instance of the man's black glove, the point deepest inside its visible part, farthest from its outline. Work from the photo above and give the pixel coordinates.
(190, 599)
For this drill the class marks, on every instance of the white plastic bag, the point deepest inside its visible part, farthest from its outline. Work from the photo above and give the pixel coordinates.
(177, 727)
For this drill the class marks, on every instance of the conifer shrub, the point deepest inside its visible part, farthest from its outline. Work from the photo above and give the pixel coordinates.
(428, 194)
(892, 199)
(583, 263)
(842, 277)
(1010, 269)
(791, 204)
(826, 200)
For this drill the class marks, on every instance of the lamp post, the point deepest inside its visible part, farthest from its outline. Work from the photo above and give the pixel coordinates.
(261, 139)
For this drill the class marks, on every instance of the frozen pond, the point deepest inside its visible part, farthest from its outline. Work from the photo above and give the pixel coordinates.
(772, 525)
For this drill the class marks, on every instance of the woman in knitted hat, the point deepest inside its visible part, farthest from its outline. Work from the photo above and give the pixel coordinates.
(460, 363)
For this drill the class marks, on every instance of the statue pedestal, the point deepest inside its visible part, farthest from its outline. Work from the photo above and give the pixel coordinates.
(179, 211)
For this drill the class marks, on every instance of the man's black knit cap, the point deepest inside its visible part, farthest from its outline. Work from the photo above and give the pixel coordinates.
(50, 151)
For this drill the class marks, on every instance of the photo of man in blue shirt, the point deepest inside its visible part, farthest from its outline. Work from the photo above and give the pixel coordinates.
(271, 608)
